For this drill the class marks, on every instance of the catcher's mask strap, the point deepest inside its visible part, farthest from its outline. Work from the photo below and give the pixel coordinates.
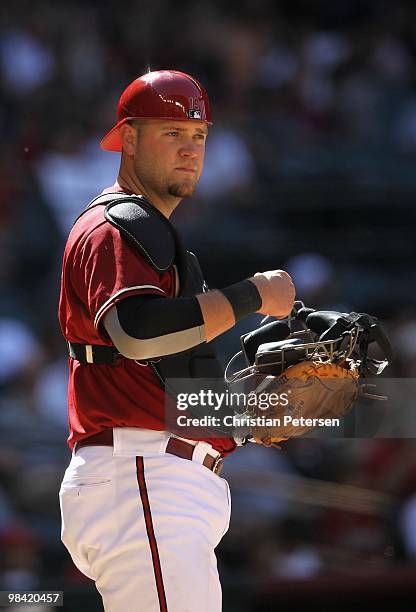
(379, 336)
(342, 323)
(375, 333)
(370, 325)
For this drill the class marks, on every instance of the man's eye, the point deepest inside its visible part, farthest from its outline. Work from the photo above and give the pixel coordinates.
(200, 136)
(173, 133)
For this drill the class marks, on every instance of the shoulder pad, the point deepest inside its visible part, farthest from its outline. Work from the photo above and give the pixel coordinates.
(145, 227)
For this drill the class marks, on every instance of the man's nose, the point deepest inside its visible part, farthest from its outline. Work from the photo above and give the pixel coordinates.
(188, 149)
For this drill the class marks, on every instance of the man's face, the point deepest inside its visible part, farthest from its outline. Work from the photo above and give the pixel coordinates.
(169, 156)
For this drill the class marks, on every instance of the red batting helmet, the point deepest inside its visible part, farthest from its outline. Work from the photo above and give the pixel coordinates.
(164, 94)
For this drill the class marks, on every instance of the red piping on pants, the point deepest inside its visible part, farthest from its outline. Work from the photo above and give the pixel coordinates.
(151, 534)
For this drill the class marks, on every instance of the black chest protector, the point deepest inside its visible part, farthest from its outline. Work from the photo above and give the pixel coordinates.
(157, 241)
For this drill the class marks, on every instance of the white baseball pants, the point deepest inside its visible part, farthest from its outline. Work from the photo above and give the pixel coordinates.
(144, 524)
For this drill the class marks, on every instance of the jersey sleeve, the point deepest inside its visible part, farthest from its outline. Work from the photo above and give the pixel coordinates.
(110, 269)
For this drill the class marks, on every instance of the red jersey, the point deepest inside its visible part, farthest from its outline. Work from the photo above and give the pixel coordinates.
(100, 268)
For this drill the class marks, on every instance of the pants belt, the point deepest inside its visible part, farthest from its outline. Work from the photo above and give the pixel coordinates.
(180, 448)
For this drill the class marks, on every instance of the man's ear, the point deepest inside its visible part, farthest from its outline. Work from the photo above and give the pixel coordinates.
(128, 137)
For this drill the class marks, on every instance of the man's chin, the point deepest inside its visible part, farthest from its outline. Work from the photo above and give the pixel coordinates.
(182, 190)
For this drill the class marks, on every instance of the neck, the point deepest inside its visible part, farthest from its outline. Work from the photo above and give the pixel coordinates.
(128, 180)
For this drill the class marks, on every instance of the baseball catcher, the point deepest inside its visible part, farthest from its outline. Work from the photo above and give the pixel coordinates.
(299, 378)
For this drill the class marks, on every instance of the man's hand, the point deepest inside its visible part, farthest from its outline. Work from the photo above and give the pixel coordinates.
(277, 292)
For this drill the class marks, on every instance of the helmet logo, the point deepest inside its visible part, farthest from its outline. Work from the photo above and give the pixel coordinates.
(194, 111)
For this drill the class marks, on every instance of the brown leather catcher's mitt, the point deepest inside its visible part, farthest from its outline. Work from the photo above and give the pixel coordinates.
(303, 397)
(305, 378)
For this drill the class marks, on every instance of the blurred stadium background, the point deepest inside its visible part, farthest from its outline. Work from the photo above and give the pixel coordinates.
(311, 167)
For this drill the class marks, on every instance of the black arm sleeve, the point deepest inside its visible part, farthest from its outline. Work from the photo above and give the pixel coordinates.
(150, 316)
